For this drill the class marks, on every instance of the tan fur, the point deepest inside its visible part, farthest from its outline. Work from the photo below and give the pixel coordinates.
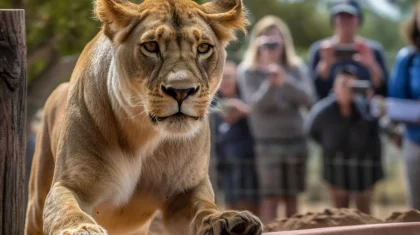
(102, 165)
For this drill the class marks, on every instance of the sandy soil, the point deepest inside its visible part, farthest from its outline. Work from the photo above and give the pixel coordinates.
(326, 218)
(408, 216)
(335, 218)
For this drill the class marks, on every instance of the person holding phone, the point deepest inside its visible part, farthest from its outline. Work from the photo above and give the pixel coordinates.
(349, 137)
(327, 56)
(235, 147)
(276, 85)
(405, 85)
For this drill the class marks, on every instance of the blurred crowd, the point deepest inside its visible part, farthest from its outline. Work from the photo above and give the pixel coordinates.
(272, 103)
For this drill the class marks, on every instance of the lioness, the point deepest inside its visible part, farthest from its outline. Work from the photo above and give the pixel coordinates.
(129, 135)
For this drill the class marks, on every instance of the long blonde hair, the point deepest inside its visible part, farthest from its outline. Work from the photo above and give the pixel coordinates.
(289, 57)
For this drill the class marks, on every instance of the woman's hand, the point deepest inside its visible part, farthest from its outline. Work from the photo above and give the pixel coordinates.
(366, 57)
(236, 109)
(327, 54)
(276, 74)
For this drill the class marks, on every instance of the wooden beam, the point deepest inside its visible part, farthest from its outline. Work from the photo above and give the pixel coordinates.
(12, 120)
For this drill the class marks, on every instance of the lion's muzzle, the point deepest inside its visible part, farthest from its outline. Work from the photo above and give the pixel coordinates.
(179, 94)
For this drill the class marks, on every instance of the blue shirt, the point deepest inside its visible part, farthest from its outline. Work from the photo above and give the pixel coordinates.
(323, 86)
(403, 82)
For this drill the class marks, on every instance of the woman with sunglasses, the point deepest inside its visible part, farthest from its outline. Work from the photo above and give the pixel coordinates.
(275, 83)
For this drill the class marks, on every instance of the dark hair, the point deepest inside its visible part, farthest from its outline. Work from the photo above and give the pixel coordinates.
(349, 70)
(410, 31)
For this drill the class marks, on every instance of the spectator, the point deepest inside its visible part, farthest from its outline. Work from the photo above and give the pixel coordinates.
(235, 147)
(346, 47)
(275, 83)
(349, 137)
(405, 84)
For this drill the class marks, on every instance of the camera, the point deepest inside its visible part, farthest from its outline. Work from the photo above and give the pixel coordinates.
(271, 45)
(345, 52)
(361, 87)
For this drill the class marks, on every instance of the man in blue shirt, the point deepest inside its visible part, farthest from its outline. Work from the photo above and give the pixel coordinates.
(327, 56)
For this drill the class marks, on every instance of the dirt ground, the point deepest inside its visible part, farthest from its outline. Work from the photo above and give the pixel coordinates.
(335, 218)
(326, 218)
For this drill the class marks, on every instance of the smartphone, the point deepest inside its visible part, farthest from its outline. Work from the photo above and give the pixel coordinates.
(345, 52)
(361, 87)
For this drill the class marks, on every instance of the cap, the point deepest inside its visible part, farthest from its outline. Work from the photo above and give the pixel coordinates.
(346, 6)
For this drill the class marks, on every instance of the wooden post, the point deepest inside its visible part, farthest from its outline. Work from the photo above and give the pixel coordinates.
(12, 120)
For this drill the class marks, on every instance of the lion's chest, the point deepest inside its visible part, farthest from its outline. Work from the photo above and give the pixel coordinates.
(159, 173)
(169, 174)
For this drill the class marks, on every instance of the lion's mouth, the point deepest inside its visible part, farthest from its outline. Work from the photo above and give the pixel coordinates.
(176, 116)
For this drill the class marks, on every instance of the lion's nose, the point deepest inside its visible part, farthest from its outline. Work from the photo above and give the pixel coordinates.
(179, 94)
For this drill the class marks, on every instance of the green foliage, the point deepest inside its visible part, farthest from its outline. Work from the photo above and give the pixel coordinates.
(306, 22)
(68, 24)
(384, 30)
(309, 21)
(404, 5)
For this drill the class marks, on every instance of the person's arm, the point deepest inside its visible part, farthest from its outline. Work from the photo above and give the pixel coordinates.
(314, 120)
(320, 72)
(381, 71)
(236, 110)
(371, 56)
(397, 84)
(298, 88)
(260, 96)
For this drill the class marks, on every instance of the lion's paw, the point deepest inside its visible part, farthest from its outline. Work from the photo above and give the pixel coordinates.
(231, 222)
(85, 229)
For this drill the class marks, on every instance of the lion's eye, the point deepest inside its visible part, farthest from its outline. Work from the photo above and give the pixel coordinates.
(151, 46)
(203, 48)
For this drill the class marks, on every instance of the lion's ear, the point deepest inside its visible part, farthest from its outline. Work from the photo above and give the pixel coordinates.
(226, 15)
(115, 14)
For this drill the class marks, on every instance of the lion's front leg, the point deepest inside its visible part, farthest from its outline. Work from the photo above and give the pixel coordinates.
(195, 213)
(63, 214)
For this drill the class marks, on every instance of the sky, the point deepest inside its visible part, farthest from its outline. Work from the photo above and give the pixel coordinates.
(383, 7)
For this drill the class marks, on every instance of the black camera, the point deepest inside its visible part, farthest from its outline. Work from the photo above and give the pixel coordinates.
(271, 45)
(361, 87)
(345, 52)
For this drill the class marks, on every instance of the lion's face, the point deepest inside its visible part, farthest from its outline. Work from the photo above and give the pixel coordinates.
(172, 70)
(169, 58)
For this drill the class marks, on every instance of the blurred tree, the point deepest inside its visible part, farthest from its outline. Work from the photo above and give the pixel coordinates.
(54, 28)
(57, 28)
(306, 21)
(384, 30)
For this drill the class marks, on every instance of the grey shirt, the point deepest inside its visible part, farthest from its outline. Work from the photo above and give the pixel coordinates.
(276, 111)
